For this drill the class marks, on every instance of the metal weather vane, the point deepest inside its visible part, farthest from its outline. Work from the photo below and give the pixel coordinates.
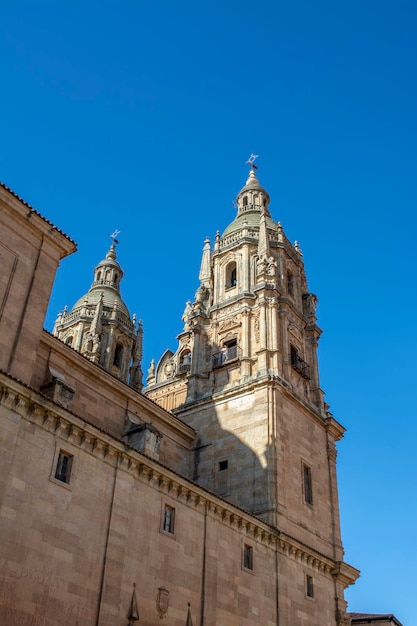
(251, 161)
(114, 236)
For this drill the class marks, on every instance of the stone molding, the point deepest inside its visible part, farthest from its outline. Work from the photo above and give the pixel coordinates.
(20, 399)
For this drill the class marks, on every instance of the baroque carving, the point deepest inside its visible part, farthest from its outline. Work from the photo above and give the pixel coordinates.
(256, 328)
(224, 326)
(162, 602)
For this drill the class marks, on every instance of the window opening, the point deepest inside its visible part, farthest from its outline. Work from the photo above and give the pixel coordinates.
(248, 557)
(231, 275)
(63, 467)
(223, 478)
(299, 364)
(185, 361)
(118, 356)
(309, 586)
(229, 352)
(290, 284)
(308, 486)
(168, 521)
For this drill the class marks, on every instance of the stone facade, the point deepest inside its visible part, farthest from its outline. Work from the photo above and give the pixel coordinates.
(212, 498)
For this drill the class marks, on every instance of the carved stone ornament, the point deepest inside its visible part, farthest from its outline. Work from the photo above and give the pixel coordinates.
(162, 602)
(229, 324)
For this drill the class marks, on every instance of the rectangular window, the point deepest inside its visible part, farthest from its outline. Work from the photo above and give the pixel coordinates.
(309, 586)
(248, 557)
(307, 484)
(222, 477)
(63, 467)
(168, 519)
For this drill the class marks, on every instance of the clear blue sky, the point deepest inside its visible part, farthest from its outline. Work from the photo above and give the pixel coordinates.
(139, 116)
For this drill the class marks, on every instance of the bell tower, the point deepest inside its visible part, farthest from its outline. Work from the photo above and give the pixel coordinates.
(245, 376)
(252, 315)
(100, 328)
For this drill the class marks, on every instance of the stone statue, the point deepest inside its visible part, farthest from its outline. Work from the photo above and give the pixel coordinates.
(271, 265)
(187, 312)
(310, 304)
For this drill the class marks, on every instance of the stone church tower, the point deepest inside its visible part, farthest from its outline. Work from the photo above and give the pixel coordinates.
(245, 376)
(100, 328)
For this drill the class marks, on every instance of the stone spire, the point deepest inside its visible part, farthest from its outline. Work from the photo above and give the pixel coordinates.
(263, 245)
(205, 264)
(96, 323)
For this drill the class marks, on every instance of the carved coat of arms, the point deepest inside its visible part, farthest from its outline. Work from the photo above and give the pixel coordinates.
(162, 601)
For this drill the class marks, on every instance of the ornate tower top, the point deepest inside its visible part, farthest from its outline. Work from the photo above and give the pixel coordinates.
(99, 324)
(252, 201)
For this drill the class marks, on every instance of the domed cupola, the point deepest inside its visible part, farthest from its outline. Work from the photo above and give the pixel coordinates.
(252, 197)
(99, 325)
(106, 285)
(252, 201)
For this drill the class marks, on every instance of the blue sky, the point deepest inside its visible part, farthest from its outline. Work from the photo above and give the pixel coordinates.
(140, 116)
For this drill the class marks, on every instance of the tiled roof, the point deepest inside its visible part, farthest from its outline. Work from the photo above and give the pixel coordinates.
(13, 193)
(364, 617)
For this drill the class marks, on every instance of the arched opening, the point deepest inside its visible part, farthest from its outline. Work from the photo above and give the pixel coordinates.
(98, 275)
(185, 361)
(118, 356)
(231, 275)
(245, 200)
(69, 340)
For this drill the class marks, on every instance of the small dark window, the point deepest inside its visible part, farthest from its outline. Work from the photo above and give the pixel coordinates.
(245, 200)
(223, 478)
(290, 284)
(248, 557)
(309, 586)
(63, 467)
(118, 356)
(169, 519)
(299, 364)
(294, 356)
(69, 340)
(307, 484)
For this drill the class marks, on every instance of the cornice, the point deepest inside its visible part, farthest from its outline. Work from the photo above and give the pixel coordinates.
(95, 370)
(36, 409)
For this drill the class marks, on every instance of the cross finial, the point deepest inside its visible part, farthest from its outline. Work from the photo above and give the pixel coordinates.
(251, 161)
(114, 236)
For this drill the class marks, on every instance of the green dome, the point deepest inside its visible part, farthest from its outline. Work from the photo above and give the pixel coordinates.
(252, 200)
(253, 219)
(109, 297)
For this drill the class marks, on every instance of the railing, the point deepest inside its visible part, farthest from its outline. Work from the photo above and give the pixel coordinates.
(300, 365)
(226, 355)
(183, 367)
